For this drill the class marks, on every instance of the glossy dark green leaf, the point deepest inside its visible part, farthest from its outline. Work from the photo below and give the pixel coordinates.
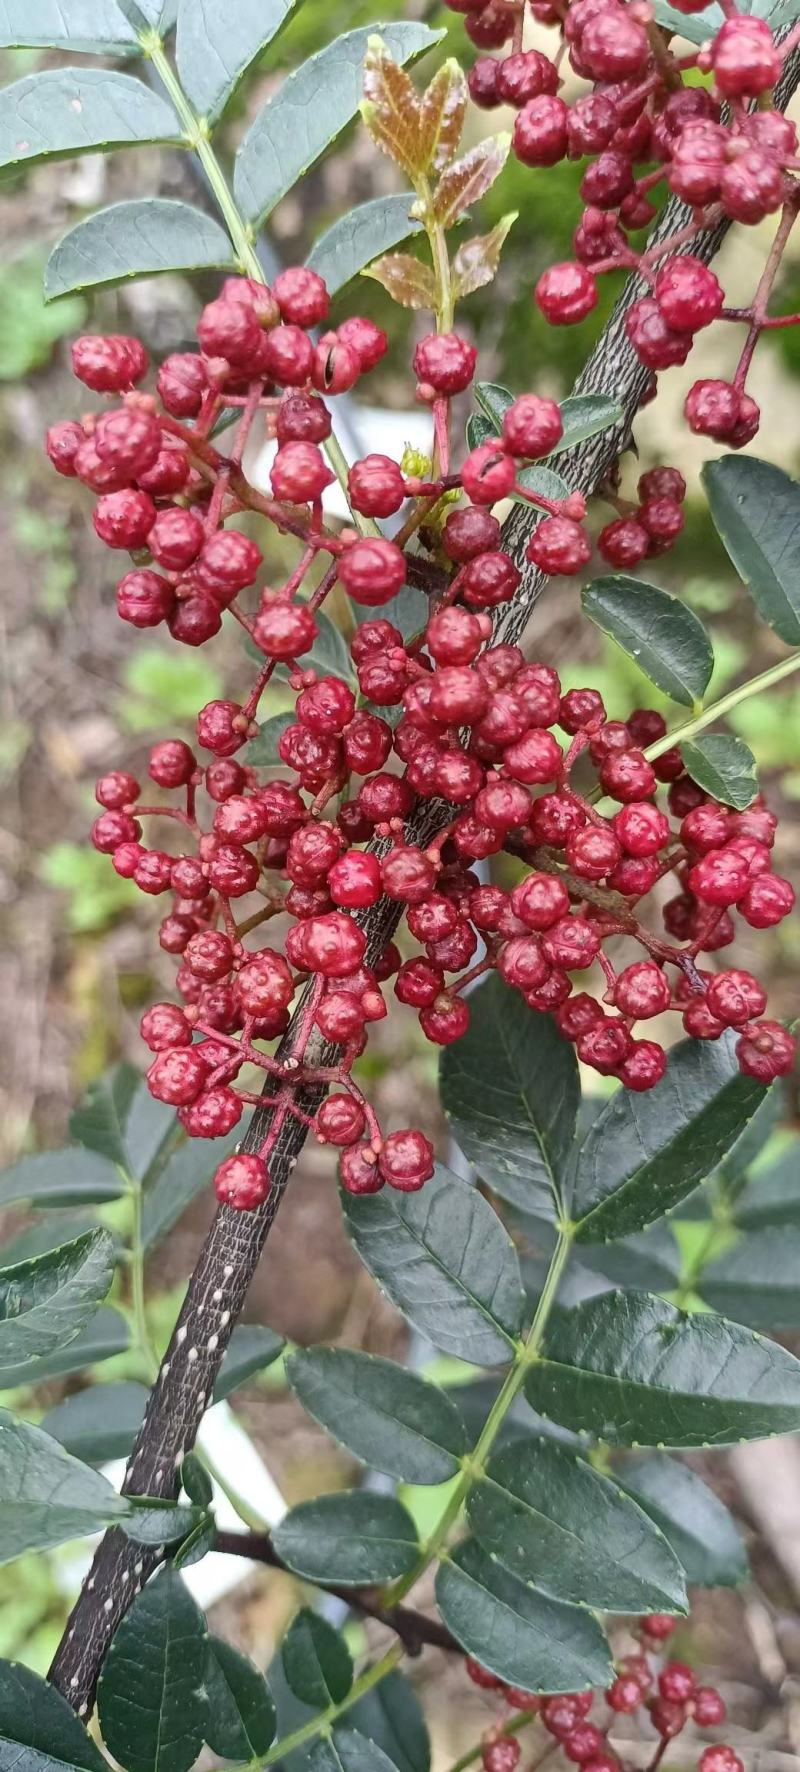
(196, 1481)
(391, 1419)
(160, 1522)
(552, 1520)
(69, 1177)
(347, 1750)
(408, 611)
(650, 1261)
(45, 1303)
(138, 238)
(582, 415)
(217, 42)
(121, 1120)
(541, 482)
(85, 27)
(151, 1697)
(59, 112)
(636, 1371)
(494, 402)
(772, 1196)
(241, 1714)
(197, 1545)
(46, 1496)
(41, 1235)
(360, 236)
(585, 415)
(185, 1175)
(39, 1731)
(757, 1281)
(99, 1423)
(757, 1132)
(645, 1152)
(444, 1258)
(329, 652)
(510, 1090)
(250, 1350)
(391, 1716)
(351, 1539)
(756, 512)
(659, 632)
(700, 1529)
(309, 111)
(105, 1335)
(316, 1661)
(264, 749)
(724, 766)
(517, 1633)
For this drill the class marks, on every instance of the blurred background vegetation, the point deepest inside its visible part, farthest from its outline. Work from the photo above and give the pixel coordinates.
(81, 694)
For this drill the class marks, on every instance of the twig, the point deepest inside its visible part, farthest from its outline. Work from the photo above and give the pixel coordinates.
(412, 1627)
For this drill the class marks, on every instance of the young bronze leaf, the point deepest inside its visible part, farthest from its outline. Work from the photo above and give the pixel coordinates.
(444, 105)
(469, 178)
(392, 109)
(477, 261)
(406, 279)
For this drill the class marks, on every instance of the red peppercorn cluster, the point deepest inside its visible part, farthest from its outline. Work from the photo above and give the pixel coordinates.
(641, 121)
(666, 1697)
(519, 763)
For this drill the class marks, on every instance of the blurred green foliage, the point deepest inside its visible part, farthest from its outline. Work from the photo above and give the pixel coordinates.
(165, 684)
(28, 329)
(95, 895)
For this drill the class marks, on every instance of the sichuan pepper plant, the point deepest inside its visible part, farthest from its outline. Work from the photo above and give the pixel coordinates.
(423, 742)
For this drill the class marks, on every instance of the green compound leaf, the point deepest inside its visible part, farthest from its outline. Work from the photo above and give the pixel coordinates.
(644, 1153)
(700, 1529)
(39, 1731)
(44, 1303)
(516, 1632)
(347, 1750)
(309, 111)
(46, 1496)
(241, 1715)
(218, 40)
(352, 1539)
(59, 112)
(662, 636)
(391, 1419)
(510, 1090)
(756, 512)
(139, 238)
(68, 1177)
(360, 236)
(155, 1522)
(724, 766)
(445, 1260)
(552, 1520)
(151, 1697)
(86, 27)
(633, 1370)
(316, 1661)
(391, 1716)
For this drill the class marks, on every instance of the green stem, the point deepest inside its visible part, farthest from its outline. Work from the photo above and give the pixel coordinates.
(196, 131)
(321, 1724)
(139, 1312)
(474, 1464)
(249, 1516)
(765, 680)
(521, 1720)
(197, 138)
